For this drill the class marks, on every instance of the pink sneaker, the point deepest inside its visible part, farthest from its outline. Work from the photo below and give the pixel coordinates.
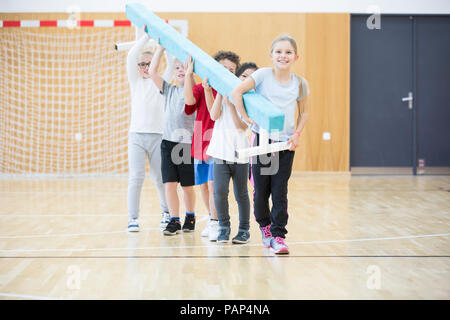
(266, 236)
(278, 246)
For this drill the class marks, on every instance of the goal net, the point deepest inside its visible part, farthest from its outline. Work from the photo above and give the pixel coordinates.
(64, 101)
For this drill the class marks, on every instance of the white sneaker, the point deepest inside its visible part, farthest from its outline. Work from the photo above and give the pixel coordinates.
(133, 225)
(213, 231)
(165, 219)
(205, 232)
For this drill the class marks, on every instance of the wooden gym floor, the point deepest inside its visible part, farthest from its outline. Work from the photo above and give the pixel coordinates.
(351, 237)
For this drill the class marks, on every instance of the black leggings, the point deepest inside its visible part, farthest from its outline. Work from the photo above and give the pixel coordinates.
(270, 175)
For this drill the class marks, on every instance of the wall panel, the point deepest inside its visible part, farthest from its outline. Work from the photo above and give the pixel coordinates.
(324, 44)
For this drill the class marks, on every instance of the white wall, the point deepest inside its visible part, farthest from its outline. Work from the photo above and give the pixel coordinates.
(351, 6)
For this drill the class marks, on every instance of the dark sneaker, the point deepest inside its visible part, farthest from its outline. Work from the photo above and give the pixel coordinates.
(242, 237)
(189, 223)
(224, 235)
(172, 228)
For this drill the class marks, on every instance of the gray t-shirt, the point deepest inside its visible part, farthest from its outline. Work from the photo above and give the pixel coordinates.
(178, 126)
(283, 96)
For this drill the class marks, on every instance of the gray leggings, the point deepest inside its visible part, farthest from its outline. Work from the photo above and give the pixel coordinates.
(140, 147)
(222, 173)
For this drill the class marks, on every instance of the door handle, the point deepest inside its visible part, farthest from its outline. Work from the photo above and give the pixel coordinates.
(410, 99)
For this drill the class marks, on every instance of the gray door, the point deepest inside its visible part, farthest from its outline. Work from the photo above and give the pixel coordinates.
(381, 124)
(407, 59)
(432, 98)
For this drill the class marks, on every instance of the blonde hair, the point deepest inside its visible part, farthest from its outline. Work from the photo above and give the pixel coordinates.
(145, 53)
(284, 37)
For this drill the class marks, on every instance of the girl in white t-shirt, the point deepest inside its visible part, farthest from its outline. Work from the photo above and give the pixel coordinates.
(230, 134)
(287, 92)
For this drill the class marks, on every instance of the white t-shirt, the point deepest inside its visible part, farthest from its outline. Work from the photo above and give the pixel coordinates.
(147, 104)
(226, 138)
(283, 96)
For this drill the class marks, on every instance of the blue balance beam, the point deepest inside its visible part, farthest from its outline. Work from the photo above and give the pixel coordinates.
(258, 108)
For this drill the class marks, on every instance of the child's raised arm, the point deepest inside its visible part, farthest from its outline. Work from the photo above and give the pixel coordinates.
(189, 82)
(234, 115)
(209, 97)
(154, 66)
(216, 109)
(236, 95)
(168, 73)
(133, 55)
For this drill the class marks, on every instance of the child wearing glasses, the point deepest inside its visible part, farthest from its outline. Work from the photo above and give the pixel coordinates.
(145, 132)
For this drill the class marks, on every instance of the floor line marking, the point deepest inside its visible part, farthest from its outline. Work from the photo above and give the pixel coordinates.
(70, 234)
(213, 245)
(223, 257)
(26, 296)
(13, 215)
(81, 234)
